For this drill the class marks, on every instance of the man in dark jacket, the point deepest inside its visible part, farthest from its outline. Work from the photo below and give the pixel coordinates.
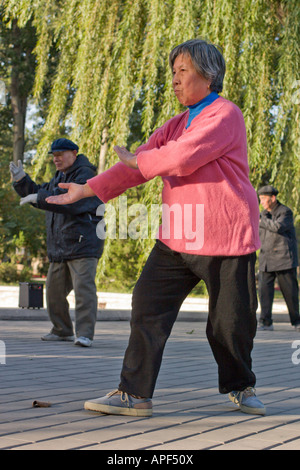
(278, 258)
(72, 244)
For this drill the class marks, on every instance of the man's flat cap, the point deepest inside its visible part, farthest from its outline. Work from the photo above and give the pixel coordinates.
(268, 191)
(59, 145)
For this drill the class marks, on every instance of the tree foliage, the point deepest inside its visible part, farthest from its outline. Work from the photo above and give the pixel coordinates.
(112, 75)
(21, 229)
(16, 71)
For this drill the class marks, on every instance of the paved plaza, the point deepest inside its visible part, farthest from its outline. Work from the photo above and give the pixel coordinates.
(188, 415)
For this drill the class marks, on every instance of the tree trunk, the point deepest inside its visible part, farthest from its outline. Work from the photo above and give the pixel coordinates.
(103, 150)
(18, 101)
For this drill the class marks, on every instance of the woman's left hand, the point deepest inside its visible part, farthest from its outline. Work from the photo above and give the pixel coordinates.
(126, 157)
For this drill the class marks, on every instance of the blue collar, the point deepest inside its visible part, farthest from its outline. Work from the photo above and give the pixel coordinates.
(196, 109)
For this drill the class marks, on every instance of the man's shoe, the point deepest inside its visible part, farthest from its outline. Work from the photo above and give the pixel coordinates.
(83, 341)
(297, 327)
(248, 402)
(53, 337)
(266, 327)
(120, 403)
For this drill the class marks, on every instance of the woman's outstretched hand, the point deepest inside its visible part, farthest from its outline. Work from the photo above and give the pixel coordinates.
(126, 157)
(80, 191)
(75, 193)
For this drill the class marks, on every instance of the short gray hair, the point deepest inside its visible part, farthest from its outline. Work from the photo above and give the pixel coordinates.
(207, 59)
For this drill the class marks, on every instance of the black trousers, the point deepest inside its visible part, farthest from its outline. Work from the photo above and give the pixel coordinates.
(288, 283)
(166, 280)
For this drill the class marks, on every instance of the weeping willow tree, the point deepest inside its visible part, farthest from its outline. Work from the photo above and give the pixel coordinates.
(113, 63)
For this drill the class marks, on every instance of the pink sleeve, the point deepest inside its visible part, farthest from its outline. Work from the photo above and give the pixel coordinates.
(117, 179)
(208, 138)
(114, 181)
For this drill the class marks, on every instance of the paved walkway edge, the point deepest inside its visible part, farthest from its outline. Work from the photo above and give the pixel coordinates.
(115, 307)
(22, 314)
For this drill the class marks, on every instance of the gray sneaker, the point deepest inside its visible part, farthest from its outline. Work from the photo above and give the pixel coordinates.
(248, 401)
(266, 327)
(83, 341)
(53, 337)
(120, 403)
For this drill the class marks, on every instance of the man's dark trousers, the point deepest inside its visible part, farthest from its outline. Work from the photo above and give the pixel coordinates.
(288, 283)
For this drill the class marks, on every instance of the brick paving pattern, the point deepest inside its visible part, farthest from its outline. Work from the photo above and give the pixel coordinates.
(188, 414)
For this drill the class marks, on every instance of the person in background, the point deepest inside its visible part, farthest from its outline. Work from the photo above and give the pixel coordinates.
(72, 244)
(201, 156)
(278, 258)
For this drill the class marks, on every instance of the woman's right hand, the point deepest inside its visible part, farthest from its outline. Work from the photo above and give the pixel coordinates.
(75, 193)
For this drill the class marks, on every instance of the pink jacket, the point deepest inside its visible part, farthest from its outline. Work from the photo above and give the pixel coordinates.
(209, 205)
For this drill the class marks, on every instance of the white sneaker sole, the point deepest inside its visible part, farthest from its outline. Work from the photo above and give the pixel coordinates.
(117, 410)
(82, 343)
(253, 411)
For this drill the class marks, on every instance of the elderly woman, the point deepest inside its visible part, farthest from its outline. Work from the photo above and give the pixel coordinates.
(201, 155)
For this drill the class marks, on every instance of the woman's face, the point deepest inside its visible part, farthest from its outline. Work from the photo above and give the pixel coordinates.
(189, 86)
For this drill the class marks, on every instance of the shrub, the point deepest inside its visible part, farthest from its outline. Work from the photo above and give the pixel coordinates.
(9, 273)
